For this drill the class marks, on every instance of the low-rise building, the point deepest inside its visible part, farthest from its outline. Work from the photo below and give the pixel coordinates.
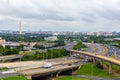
(51, 38)
(2, 41)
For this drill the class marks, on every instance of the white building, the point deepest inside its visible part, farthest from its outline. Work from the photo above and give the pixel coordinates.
(51, 38)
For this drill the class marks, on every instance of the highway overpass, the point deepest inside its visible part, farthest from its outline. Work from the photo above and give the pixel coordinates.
(43, 73)
(33, 69)
(102, 57)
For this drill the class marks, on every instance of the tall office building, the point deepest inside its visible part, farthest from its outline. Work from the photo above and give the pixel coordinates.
(20, 29)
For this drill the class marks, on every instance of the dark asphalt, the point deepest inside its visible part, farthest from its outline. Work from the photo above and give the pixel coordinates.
(8, 75)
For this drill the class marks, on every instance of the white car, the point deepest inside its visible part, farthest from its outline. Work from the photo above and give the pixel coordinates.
(47, 65)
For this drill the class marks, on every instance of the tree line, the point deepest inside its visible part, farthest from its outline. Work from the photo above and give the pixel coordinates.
(79, 46)
(8, 51)
(49, 54)
(24, 37)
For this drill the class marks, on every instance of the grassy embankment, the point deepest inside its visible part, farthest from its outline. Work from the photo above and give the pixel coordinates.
(88, 69)
(116, 68)
(91, 69)
(15, 78)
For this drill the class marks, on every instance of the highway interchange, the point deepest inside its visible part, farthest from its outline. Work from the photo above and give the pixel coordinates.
(21, 67)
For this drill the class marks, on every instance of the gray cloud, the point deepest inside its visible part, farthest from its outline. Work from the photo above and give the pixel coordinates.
(76, 15)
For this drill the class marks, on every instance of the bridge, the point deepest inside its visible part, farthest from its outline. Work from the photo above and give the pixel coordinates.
(35, 69)
(98, 56)
(102, 57)
(43, 73)
(59, 66)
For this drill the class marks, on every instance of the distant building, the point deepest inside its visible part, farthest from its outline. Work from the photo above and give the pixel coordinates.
(109, 39)
(55, 34)
(2, 40)
(12, 45)
(90, 33)
(51, 38)
(118, 39)
(112, 39)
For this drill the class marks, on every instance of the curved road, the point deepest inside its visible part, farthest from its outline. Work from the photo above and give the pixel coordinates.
(97, 48)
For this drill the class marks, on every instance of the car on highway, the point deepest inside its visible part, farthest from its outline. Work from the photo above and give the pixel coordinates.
(47, 65)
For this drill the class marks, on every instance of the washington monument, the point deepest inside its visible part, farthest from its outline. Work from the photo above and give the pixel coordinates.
(20, 29)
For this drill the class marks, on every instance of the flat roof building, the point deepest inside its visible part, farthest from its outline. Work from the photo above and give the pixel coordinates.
(2, 40)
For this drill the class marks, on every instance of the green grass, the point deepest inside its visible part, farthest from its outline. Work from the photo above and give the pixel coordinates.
(70, 78)
(114, 67)
(91, 69)
(15, 78)
(27, 52)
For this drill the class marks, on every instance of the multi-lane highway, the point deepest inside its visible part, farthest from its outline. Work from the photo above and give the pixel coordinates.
(34, 64)
(42, 71)
(97, 48)
(16, 68)
(113, 51)
(5, 75)
(92, 47)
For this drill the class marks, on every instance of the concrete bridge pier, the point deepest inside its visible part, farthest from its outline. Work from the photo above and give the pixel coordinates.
(101, 62)
(110, 68)
(93, 59)
(29, 77)
(71, 71)
(75, 70)
(89, 58)
(85, 58)
(57, 74)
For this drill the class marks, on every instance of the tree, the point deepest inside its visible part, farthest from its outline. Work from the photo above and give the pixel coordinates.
(8, 51)
(14, 51)
(20, 47)
(53, 53)
(59, 43)
(79, 45)
(39, 46)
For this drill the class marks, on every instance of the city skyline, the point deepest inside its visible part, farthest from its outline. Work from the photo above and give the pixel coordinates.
(67, 15)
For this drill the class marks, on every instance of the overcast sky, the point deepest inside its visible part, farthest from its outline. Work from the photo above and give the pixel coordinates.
(60, 15)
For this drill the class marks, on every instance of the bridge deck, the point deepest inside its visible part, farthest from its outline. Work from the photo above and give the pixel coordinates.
(25, 65)
(106, 58)
(42, 71)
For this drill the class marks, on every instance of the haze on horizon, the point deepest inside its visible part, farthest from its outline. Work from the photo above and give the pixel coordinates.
(60, 15)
